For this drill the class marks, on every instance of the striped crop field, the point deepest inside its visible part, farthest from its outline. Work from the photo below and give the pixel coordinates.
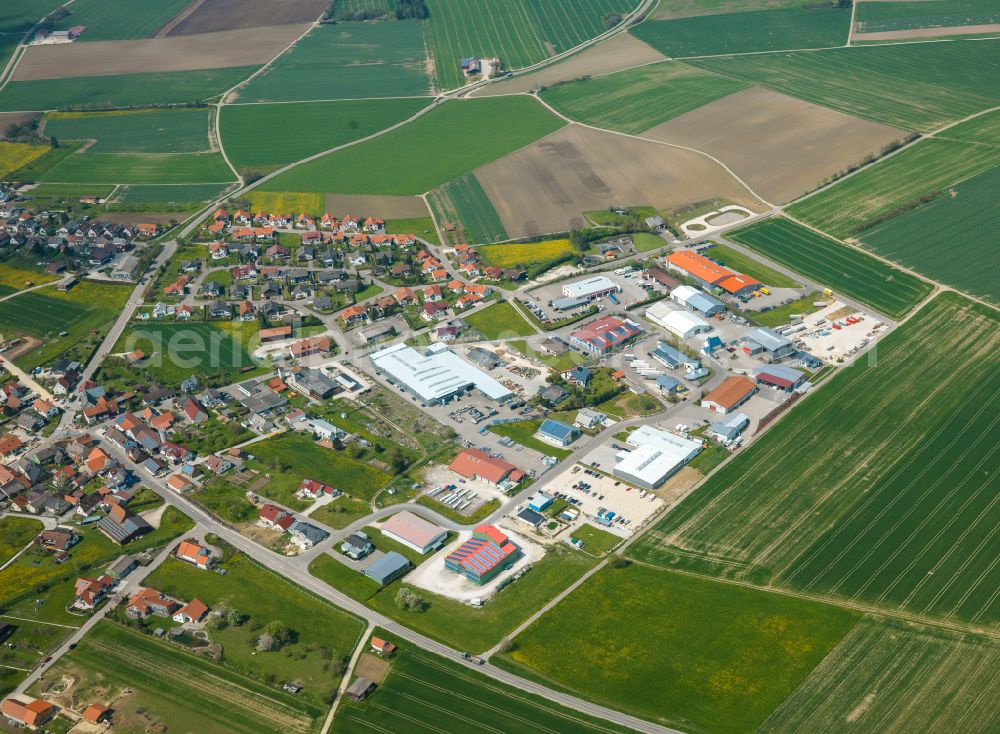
(830, 263)
(881, 489)
(463, 203)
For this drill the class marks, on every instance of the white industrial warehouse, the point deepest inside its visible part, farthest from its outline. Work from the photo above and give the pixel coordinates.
(682, 323)
(436, 374)
(589, 288)
(657, 456)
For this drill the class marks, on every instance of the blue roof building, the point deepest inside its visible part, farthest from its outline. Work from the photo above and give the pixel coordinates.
(556, 433)
(388, 568)
(729, 429)
(670, 357)
(668, 384)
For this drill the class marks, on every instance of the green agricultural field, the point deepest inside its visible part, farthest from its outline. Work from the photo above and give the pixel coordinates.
(952, 239)
(524, 433)
(667, 9)
(422, 227)
(35, 169)
(146, 131)
(741, 263)
(347, 61)
(893, 185)
(83, 313)
(8, 42)
(21, 15)
(915, 86)
(297, 130)
(463, 202)
(832, 264)
(140, 168)
(520, 32)
(984, 129)
(875, 17)
(102, 92)
(852, 506)
(439, 146)
(681, 651)
(896, 678)
(635, 100)
(177, 195)
(70, 191)
(425, 692)
(732, 33)
(532, 257)
(108, 20)
(112, 658)
(499, 321)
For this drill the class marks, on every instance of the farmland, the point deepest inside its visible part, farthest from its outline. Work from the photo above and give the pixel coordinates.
(21, 15)
(445, 143)
(875, 17)
(102, 92)
(16, 155)
(16, 274)
(499, 321)
(735, 260)
(297, 130)
(140, 168)
(767, 30)
(725, 658)
(286, 201)
(667, 9)
(533, 256)
(463, 203)
(424, 692)
(635, 100)
(176, 195)
(224, 15)
(114, 19)
(967, 218)
(344, 61)
(859, 507)
(146, 131)
(849, 207)
(837, 266)
(911, 86)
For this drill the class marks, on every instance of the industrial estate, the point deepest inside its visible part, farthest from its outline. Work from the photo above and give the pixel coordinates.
(577, 366)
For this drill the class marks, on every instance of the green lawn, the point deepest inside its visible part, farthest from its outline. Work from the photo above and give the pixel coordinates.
(875, 17)
(108, 20)
(463, 203)
(343, 578)
(347, 61)
(499, 321)
(146, 131)
(524, 433)
(176, 195)
(455, 138)
(425, 692)
(596, 541)
(837, 266)
(646, 241)
(854, 507)
(341, 512)
(140, 168)
(679, 650)
(297, 130)
(741, 263)
(779, 316)
(635, 100)
(15, 533)
(102, 92)
(422, 227)
(916, 86)
(563, 362)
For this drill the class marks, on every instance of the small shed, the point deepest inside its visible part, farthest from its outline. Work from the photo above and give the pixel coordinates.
(360, 689)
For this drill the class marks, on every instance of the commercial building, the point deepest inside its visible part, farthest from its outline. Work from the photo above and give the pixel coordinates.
(710, 273)
(565, 304)
(539, 501)
(477, 464)
(605, 334)
(483, 556)
(414, 532)
(694, 299)
(729, 430)
(436, 374)
(530, 517)
(779, 377)
(764, 340)
(681, 323)
(388, 568)
(731, 394)
(556, 433)
(125, 269)
(591, 288)
(655, 457)
(672, 358)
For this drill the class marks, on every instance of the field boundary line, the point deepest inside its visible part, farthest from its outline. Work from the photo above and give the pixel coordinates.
(39, 621)
(346, 679)
(335, 99)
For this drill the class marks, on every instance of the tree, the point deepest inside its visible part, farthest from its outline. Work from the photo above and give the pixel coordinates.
(54, 141)
(410, 601)
(266, 643)
(279, 631)
(236, 618)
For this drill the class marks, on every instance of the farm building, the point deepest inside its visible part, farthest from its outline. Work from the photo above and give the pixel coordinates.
(670, 357)
(779, 377)
(729, 429)
(414, 532)
(768, 342)
(436, 374)
(360, 689)
(655, 457)
(388, 568)
(32, 714)
(482, 556)
(605, 334)
(477, 464)
(731, 394)
(556, 433)
(712, 274)
(591, 288)
(681, 323)
(694, 299)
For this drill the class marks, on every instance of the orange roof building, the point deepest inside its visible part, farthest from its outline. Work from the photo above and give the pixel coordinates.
(95, 713)
(731, 394)
(477, 464)
(34, 713)
(701, 268)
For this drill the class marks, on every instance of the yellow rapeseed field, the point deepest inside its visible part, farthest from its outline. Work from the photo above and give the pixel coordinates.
(17, 155)
(287, 202)
(509, 256)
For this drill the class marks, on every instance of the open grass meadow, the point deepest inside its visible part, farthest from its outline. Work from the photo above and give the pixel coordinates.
(140, 131)
(451, 140)
(849, 497)
(347, 61)
(426, 692)
(877, 17)
(422, 227)
(17, 273)
(524, 433)
(635, 100)
(122, 90)
(741, 263)
(463, 203)
(202, 696)
(499, 321)
(140, 168)
(109, 20)
(525, 255)
(834, 265)
(896, 677)
(297, 130)
(14, 156)
(595, 541)
(83, 313)
(170, 195)
(951, 239)
(15, 533)
(916, 86)
(679, 650)
(732, 33)
(891, 186)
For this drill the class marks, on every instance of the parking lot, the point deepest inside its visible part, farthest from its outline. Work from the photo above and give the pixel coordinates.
(464, 496)
(540, 299)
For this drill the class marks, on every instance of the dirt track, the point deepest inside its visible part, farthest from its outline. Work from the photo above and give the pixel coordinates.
(227, 15)
(386, 207)
(780, 145)
(247, 47)
(548, 185)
